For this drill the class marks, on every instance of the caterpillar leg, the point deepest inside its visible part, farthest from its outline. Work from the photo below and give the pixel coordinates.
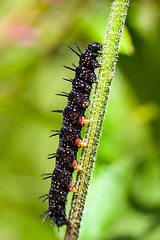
(76, 166)
(72, 188)
(80, 143)
(83, 121)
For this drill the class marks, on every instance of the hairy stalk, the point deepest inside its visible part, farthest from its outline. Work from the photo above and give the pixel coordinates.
(98, 108)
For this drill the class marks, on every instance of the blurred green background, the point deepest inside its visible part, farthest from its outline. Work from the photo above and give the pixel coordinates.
(124, 197)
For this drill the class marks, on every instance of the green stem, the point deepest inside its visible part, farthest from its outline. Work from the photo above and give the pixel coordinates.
(98, 108)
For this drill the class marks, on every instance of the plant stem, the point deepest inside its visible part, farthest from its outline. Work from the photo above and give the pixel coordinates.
(98, 108)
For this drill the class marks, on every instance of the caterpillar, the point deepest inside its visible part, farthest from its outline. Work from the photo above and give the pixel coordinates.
(70, 133)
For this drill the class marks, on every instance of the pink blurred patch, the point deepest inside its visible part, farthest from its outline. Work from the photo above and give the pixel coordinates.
(21, 34)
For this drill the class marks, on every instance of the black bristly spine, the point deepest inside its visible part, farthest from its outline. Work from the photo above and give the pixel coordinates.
(74, 51)
(70, 132)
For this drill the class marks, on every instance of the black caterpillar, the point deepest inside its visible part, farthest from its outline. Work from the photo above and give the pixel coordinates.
(70, 133)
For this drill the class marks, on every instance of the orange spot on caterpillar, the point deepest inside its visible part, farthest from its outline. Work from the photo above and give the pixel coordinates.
(110, 76)
(85, 104)
(83, 121)
(80, 143)
(72, 188)
(76, 166)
